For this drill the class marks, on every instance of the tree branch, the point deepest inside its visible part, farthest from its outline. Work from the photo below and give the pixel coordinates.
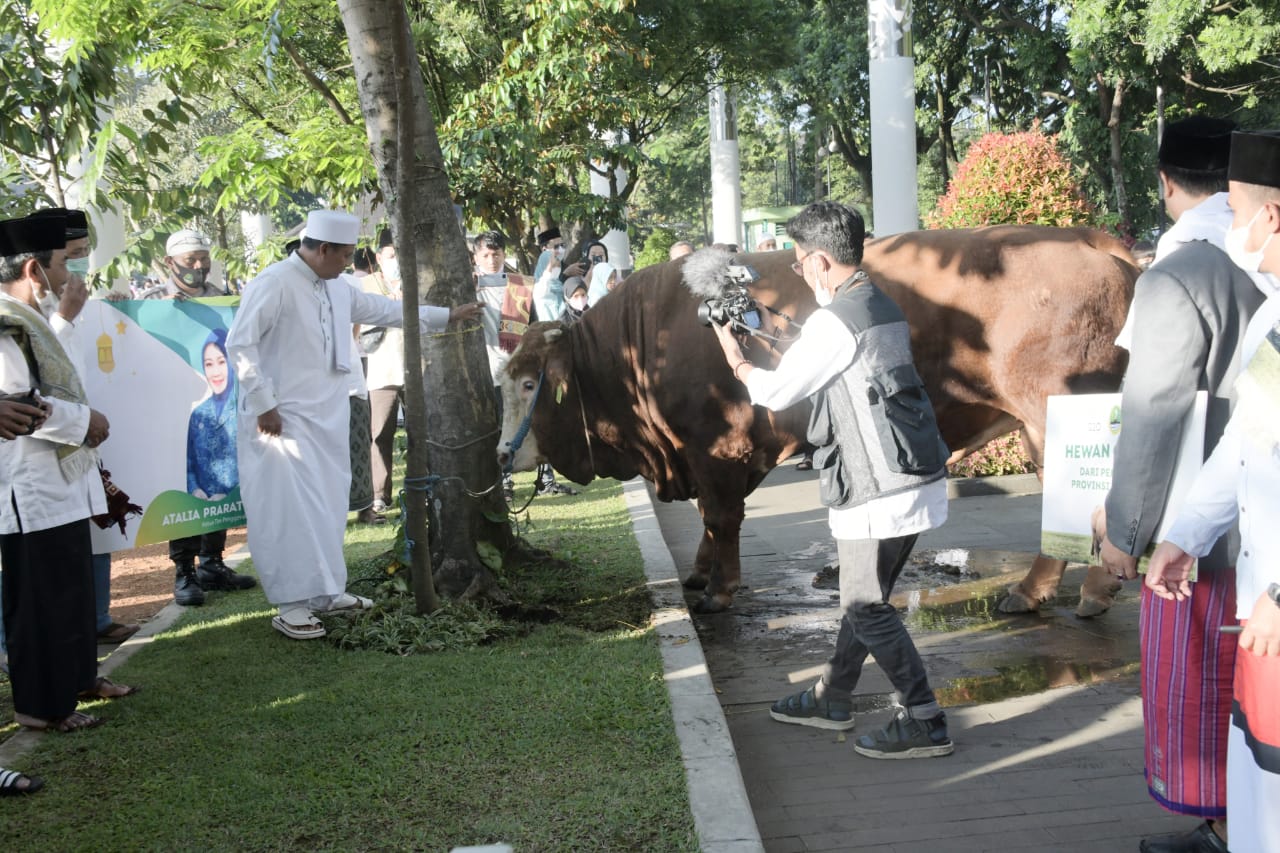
(315, 81)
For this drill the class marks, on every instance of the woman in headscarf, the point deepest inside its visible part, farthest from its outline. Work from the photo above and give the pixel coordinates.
(604, 278)
(576, 303)
(211, 432)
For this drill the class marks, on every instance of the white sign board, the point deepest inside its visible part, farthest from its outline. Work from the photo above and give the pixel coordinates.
(1079, 447)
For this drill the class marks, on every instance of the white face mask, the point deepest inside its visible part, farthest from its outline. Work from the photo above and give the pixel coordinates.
(558, 251)
(823, 296)
(1235, 241)
(46, 299)
(390, 269)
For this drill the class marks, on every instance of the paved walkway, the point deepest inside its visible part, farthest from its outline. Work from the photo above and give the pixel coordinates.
(1043, 708)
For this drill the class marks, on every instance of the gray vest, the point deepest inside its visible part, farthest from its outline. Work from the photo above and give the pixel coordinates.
(873, 425)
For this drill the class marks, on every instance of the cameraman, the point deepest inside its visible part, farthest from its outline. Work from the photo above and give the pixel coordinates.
(883, 465)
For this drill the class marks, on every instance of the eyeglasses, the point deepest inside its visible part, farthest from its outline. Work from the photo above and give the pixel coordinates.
(798, 266)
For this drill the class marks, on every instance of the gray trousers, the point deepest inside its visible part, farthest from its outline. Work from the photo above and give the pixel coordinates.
(384, 405)
(870, 625)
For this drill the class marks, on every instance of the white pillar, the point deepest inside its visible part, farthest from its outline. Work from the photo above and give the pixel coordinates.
(726, 184)
(893, 117)
(616, 241)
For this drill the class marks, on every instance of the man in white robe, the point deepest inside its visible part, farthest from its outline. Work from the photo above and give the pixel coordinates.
(289, 344)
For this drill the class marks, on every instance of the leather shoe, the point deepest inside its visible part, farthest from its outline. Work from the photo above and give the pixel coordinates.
(1202, 839)
(215, 574)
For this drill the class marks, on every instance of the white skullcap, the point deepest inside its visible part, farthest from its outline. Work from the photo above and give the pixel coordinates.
(186, 240)
(333, 226)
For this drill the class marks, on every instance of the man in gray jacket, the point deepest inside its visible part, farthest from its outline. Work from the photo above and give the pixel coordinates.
(1185, 330)
(882, 469)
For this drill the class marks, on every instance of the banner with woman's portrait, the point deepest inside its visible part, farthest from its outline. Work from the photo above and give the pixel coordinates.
(158, 369)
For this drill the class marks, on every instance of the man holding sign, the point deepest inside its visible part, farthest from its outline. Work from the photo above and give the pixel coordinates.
(1185, 333)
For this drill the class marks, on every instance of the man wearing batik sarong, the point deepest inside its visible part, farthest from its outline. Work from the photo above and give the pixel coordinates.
(1240, 483)
(1185, 332)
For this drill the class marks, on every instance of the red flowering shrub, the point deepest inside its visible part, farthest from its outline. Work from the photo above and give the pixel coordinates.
(1003, 455)
(1015, 178)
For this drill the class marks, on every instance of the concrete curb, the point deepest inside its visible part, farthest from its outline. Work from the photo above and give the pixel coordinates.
(722, 812)
(21, 744)
(1008, 484)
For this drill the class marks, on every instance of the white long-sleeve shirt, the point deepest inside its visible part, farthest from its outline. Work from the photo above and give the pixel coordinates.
(1241, 479)
(29, 472)
(825, 349)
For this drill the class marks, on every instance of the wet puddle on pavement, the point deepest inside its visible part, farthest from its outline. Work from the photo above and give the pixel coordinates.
(949, 600)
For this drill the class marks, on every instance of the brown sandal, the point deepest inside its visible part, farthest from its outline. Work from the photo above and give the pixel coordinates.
(117, 632)
(105, 688)
(73, 722)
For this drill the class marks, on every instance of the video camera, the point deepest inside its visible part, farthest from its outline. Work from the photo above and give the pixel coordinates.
(733, 306)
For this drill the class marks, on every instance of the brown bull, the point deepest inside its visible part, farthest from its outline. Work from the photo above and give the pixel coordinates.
(1001, 318)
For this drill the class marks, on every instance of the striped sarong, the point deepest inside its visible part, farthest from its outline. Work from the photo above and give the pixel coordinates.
(1187, 666)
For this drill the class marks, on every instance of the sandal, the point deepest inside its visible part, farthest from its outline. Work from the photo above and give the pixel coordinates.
(348, 603)
(73, 722)
(117, 632)
(11, 783)
(105, 688)
(298, 623)
(370, 516)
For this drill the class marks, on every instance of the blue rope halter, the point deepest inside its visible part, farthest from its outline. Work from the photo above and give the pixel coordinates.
(523, 430)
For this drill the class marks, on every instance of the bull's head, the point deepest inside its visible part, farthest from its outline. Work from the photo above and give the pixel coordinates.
(521, 381)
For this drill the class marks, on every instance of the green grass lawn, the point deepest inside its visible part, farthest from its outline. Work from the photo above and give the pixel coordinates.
(560, 739)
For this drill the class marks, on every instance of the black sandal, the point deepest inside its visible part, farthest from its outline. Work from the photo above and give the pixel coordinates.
(11, 784)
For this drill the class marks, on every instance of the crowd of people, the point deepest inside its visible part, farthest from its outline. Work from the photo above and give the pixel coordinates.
(310, 340)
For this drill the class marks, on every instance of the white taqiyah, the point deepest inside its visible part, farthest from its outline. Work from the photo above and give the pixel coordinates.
(186, 240)
(333, 226)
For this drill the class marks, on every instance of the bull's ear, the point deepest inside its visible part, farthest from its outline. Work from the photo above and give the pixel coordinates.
(553, 335)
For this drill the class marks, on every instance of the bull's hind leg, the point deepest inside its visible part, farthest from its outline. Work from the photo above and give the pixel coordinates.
(1039, 585)
(1097, 593)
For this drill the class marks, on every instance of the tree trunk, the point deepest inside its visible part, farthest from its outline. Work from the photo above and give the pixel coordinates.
(455, 438)
(1111, 109)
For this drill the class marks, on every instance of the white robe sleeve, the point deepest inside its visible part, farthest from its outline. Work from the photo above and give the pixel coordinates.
(67, 424)
(1211, 504)
(374, 309)
(259, 311)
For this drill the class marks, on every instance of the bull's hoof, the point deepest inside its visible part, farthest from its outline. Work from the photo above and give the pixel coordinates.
(1096, 603)
(712, 604)
(1018, 601)
(696, 582)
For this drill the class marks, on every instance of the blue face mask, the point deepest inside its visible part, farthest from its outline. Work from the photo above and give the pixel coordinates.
(79, 266)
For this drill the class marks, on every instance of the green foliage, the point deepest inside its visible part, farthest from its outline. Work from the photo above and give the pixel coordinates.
(997, 457)
(1018, 178)
(656, 247)
(393, 626)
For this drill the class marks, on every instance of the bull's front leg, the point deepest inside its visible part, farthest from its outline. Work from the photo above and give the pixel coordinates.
(717, 568)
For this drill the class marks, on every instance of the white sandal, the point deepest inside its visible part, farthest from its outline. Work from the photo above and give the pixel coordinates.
(348, 603)
(298, 623)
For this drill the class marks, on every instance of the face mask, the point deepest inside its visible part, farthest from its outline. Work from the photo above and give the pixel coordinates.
(824, 297)
(46, 299)
(578, 302)
(1234, 243)
(193, 277)
(391, 269)
(79, 266)
(558, 251)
